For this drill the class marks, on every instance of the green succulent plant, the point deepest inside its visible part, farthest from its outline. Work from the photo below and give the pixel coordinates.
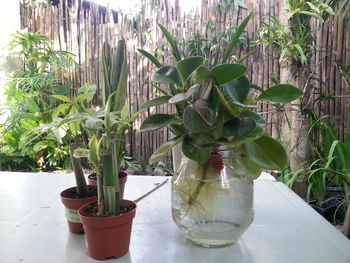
(214, 108)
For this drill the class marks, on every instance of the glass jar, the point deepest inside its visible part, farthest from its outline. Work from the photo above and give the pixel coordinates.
(213, 202)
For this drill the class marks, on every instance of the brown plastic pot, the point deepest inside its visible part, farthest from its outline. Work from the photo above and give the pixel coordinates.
(108, 237)
(123, 177)
(71, 210)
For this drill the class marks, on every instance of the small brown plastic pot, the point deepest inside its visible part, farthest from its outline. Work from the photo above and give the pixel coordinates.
(123, 177)
(72, 206)
(108, 237)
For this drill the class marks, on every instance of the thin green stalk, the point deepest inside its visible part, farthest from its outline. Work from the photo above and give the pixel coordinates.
(194, 195)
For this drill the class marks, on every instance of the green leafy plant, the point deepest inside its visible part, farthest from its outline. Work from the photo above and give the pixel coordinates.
(230, 5)
(29, 105)
(129, 163)
(75, 132)
(106, 130)
(214, 109)
(330, 166)
(341, 8)
(211, 50)
(295, 42)
(333, 155)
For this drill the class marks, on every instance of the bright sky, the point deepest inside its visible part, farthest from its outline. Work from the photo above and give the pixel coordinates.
(134, 5)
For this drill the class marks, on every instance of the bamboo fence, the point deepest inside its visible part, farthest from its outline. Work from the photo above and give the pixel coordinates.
(81, 27)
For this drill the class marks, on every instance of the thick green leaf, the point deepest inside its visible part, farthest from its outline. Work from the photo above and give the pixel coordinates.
(256, 87)
(224, 102)
(177, 129)
(224, 73)
(194, 151)
(205, 111)
(202, 74)
(193, 120)
(253, 170)
(167, 74)
(152, 58)
(180, 97)
(267, 153)
(203, 139)
(237, 129)
(61, 97)
(237, 90)
(156, 102)
(156, 122)
(282, 93)
(258, 118)
(163, 150)
(235, 39)
(188, 65)
(257, 133)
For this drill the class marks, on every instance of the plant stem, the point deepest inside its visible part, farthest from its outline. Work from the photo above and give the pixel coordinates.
(100, 197)
(110, 191)
(78, 172)
(202, 173)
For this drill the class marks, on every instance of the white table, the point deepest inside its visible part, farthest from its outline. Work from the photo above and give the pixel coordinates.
(285, 229)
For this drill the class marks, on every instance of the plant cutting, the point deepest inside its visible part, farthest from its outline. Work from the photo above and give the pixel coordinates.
(128, 167)
(224, 142)
(107, 222)
(74, 197)
(76, 130)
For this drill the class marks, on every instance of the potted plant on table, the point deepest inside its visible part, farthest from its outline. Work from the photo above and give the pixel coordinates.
(74, 197)
(107, 222)
(113, 80)
(224, 142)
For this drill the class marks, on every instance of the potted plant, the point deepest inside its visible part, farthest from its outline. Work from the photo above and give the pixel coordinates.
(74, 197)
(107, 222)
(111, 70)
(224, 142)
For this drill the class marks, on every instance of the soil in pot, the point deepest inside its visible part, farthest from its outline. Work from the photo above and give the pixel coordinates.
(107, 236)
(72, 203)
(123, 177)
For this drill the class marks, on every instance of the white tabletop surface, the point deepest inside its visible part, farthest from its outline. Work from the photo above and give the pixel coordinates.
(33, 228)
